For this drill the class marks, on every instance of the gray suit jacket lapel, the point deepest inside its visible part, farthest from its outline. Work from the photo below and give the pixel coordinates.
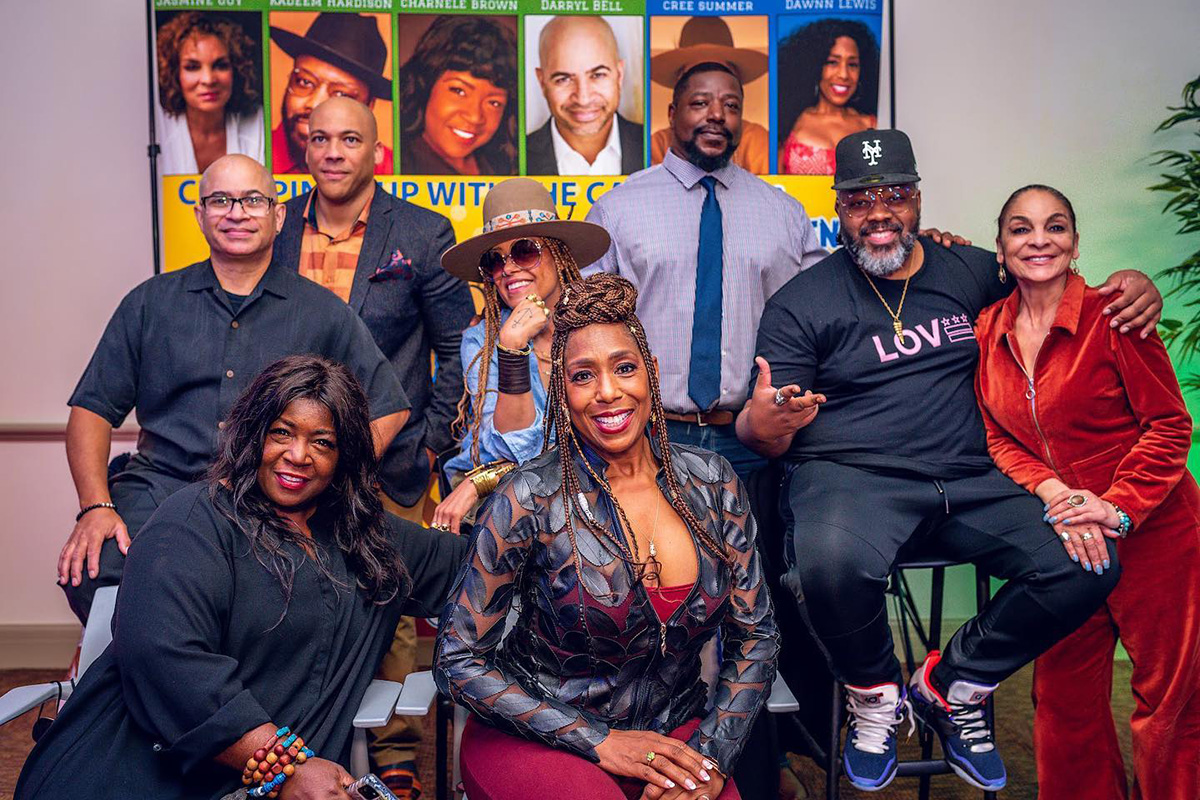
(379, 228)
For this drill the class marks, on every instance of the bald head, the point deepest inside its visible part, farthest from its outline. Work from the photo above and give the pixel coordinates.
(342, 153)
(580, 73)
(240, 232)
(565, 32)
(344, 114)
(237, 175)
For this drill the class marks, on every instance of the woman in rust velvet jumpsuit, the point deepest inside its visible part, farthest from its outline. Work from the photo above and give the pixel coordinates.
(1093, 422)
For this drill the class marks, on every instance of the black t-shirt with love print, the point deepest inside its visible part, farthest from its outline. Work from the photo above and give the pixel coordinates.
(896, 403)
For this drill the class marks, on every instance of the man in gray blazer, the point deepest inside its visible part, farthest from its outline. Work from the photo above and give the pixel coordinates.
(382, 255)
(580, 72)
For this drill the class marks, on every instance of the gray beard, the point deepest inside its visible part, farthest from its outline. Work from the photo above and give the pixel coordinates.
(881, 265)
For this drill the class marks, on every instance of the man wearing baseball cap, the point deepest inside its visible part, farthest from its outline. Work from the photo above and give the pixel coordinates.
(876, 421)
(341, 55)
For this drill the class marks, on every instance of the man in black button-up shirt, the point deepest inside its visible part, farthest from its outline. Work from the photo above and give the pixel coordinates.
(180, 349)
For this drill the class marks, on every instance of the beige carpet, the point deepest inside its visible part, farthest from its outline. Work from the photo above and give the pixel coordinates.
(1014, 717)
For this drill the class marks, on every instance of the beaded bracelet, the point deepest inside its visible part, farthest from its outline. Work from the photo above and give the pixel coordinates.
(94, 506)
(1125, 523)
(274, 763)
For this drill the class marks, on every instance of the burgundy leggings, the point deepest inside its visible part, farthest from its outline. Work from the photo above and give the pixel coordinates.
(497, 766)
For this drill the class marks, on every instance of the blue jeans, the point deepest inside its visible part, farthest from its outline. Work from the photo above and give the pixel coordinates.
(721, 439)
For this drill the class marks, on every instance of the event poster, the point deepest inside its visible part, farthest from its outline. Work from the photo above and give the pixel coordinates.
(574, 93)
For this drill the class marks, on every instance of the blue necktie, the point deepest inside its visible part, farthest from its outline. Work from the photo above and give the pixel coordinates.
(704, 372)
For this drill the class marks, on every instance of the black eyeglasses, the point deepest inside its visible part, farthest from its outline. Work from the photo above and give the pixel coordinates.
(524, 253)
(859, 203)
(255, 205)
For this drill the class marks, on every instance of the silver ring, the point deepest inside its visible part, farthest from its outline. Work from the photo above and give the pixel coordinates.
(779, 398)
(1085, 536)
(1076, 500)
(1066, 537)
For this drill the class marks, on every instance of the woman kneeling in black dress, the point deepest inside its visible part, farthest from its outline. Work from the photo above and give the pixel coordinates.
(264, 597)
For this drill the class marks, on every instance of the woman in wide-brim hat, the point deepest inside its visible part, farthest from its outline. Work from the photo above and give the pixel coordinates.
(523, 256)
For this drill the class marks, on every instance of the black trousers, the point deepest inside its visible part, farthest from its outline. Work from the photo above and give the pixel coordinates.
(845, 528)
(136, 491)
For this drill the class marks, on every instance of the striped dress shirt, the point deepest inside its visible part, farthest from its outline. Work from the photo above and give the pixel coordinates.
(654, 221)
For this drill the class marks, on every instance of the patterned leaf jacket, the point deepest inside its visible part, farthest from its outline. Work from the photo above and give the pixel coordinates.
(588, 652)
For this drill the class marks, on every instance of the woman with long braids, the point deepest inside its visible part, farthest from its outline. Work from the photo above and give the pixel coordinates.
(523, 256)
(626, 554)
(254, 611)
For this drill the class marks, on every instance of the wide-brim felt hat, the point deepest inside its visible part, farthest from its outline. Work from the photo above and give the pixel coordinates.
(523, 207)
(706, 39)
(350, 42)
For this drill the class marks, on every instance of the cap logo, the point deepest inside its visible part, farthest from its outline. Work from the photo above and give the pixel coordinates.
(514, 218)
(872, 153)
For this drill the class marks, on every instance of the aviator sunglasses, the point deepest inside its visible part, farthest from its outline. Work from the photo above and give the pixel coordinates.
(524, 253)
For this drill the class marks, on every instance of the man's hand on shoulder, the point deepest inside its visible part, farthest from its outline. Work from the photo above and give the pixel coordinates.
(944, 238)
(1139, 304)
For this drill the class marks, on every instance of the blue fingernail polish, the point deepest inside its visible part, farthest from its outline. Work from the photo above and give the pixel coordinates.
(1046, 507)
(1053, 520)
(1075, 558)
(1099, 570)
(1045, 517)
(1066, 522)
(1087, 565)
(1106, 563)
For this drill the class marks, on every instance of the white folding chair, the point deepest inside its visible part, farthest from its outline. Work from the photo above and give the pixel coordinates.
(96, 636)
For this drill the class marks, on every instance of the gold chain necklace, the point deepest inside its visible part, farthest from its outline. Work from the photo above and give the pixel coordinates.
(895, 315)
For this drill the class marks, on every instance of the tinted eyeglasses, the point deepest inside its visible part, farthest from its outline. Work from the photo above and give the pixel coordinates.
(524, 253)
(894, 198)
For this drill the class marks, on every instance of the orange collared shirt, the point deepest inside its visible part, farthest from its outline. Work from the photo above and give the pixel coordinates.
(330, 259)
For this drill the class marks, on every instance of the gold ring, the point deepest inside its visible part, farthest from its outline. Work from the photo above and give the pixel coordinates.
(441, 526)
(1076, 500)
(533, 298)
(651, 756)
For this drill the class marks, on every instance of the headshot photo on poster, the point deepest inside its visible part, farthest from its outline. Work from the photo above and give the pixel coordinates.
(315, 56)
(832, 87)
(210, 79)
(739, 43)
(458, 94)
(584, 95)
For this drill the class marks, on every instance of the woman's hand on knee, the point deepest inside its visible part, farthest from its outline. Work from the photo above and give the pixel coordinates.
(1085, 544)
(662, 762)
(705, 791)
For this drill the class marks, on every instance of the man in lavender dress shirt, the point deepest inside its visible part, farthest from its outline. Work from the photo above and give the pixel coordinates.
(654, 220)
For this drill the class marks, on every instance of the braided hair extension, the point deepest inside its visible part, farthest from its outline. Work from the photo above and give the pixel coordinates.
(470, 407)
(597, 300)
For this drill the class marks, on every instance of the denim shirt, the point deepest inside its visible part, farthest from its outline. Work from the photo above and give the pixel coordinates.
(517, 446)
(588, 652)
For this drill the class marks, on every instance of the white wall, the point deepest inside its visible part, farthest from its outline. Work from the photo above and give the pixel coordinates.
(76, 209)
(995, 94)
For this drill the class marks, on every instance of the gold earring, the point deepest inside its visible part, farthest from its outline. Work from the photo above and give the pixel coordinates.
(1075, 266)
(1001, 273)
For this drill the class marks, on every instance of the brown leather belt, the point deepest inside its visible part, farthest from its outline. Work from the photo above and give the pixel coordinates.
(718, 417)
